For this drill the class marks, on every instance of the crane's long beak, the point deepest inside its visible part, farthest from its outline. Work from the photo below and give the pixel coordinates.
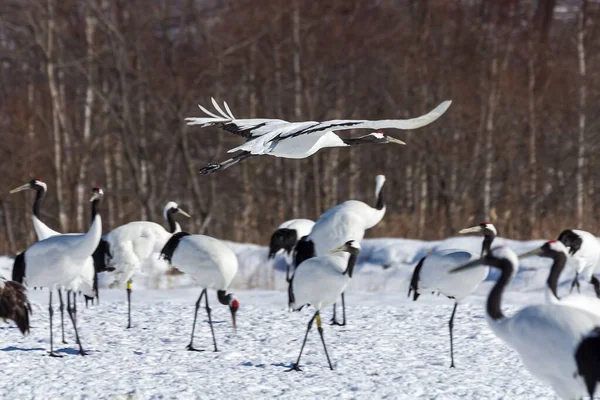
(20, 188)
(473, 229)
(184, 213)
(470, 265)
(394, 140)
(338, 249)
(532, 253)
(233, 311)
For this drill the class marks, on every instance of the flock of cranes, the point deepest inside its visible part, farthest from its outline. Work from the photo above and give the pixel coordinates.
(558, 341)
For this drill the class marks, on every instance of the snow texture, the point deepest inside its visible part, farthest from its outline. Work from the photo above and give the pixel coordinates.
(391, 348)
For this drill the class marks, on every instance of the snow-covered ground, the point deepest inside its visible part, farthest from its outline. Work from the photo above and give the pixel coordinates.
(392, 347)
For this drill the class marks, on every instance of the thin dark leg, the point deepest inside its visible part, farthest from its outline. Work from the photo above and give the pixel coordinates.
(287, 274)
(451, 326)
(296, 366)
(320, 329)
(129, 304)
(575, 283)
(72, 311)
(214, 167)
(210, 320)
(51, 311)
(594, 281)
(62, 315)
(291, 298)
(190, 346)
(74, 306)
(334, 320)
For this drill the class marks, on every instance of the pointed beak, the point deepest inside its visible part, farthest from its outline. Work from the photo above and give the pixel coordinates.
(233, 311)
(338, 249)
(471, 265)
(94, 197)
(184, 213)
(20, 188)
(394, 140)
(474, 229)
(532, 253)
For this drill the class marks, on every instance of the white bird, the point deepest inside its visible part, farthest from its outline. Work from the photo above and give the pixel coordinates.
(346, 221)
(319, 281)
(134, 243)
(14, 304)
(584, 250)
(57, 262)
(546, 336)
(279, 138)
(88, 282)
(211, 264)
(284, 240)
(432, 273)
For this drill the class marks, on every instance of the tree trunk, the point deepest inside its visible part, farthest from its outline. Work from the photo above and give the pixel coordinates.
(581, 31)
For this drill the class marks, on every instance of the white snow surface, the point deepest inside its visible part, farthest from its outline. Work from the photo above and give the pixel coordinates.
(391, 348)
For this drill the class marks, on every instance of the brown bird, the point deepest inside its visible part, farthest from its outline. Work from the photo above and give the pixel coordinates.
(14, 304)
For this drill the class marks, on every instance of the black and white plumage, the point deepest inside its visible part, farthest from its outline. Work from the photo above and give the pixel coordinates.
(346, 221)
(57, 262)
(297, 140)
(584, 252)
(211, 264)
(546, 336)
(136, 242)
(14, 304)
(94, 265)
(319, 281)
(284, 240)
(433, 273)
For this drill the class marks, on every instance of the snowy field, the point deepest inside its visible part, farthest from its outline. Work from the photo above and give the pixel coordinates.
(392, 347)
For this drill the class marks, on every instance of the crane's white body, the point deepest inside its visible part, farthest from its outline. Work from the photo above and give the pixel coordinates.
(303, 227)
(586, 259)
(208, 261)
(64, 261)
(133, 243)
(546, 337)
(435, 273)
(319, 281)
(346, 221)
(281, 138)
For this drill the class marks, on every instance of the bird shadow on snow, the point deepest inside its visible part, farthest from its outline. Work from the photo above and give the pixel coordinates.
(14, 348)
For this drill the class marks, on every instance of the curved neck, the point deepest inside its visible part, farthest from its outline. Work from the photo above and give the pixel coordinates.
(560, 259)
(495, 297)
(40, 192)
(95, 208)
(487, 244)
(380, 202)
(171, 221)
(351, 263)
(223, 297)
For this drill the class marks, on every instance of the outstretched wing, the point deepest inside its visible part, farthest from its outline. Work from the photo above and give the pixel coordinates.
(278, 129)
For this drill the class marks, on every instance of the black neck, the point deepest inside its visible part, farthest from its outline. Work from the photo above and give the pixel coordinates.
(379, 205)
(40, 192)
(487, 243)
(223, 297)
(171, 220)
(351, 262)
(495, 297)
(169, 248)
(560, 259)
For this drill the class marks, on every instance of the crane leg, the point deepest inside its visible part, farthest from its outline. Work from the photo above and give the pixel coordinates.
(451, 326)
(190, 346)
(594, 281)
(575, 283)
(62, 315)
(296, 366)
(214, 167)
(72, 311)
(51, 311)
(74, 306)
(334, 319)
(129, 284)
(212, 329)
(320, 329)
(291, 298)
